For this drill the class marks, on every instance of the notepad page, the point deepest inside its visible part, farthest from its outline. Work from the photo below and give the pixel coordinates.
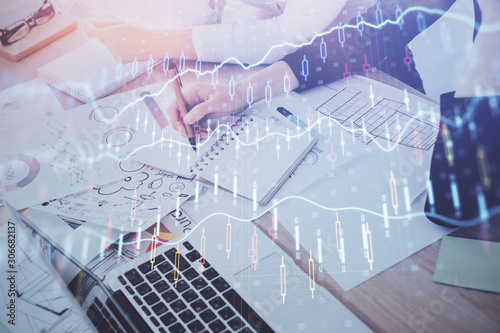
(254, 164)
(89, 72)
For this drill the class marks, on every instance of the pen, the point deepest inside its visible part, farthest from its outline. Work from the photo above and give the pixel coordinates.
(181, 103)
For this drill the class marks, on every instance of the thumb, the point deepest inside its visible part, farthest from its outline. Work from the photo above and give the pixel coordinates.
(92, 32)
(199, 111)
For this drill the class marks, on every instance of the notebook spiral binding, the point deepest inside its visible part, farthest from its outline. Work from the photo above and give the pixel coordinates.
(64, 85)
(220, 144)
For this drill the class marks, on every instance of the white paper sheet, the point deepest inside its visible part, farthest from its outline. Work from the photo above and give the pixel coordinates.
(121, 127)
(356, 205)
(71, 151)
(25, 103)
(407, 120)
(122, 204)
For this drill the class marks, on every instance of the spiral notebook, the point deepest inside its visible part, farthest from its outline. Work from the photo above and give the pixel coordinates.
(90, 72)
(254, 160)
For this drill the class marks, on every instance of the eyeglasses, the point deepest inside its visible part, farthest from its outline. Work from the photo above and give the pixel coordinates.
(20, 29)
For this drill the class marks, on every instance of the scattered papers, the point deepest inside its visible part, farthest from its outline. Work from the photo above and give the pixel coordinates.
(69, 151)
(25, 103)
(123, 204)
(397, 128)
(367, 215)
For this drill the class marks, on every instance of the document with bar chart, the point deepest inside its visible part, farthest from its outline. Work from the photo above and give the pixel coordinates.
(383, 112)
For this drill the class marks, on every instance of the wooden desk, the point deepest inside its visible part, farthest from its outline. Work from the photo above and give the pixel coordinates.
(403, 298)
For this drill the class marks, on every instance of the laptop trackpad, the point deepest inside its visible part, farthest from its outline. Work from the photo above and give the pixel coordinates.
(277, 302)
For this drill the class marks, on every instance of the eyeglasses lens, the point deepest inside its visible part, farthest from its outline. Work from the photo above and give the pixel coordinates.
(16, 31)
(44, 14)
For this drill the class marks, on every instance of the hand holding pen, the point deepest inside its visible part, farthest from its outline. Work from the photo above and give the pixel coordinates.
(203, 101)
(183, 128)
(189, 113)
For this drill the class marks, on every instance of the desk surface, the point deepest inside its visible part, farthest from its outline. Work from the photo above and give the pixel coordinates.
(403, 298)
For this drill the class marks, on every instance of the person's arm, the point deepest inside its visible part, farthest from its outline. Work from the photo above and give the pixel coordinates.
(385, 48)
(254, 41)
(202, 100)
(126, 41)
(247, 41)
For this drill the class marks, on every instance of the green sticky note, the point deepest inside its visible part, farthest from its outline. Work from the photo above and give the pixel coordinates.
(469, 263)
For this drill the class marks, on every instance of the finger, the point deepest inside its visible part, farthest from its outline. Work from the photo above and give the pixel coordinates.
(206, 103)
(104, 24)
(198, 112)
(193, 95)
(91, 32)
(217, 114)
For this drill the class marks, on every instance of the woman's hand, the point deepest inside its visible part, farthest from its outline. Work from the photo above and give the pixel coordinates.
(203, 102)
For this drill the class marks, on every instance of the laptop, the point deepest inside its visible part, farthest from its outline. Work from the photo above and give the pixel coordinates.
(210, 281)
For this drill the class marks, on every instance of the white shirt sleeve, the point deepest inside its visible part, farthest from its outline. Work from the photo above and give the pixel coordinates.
(266, 41)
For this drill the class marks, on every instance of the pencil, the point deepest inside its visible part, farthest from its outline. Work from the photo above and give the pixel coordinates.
(181, 103)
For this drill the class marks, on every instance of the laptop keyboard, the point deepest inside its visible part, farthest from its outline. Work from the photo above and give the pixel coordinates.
(102, 319)
(186, 300)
